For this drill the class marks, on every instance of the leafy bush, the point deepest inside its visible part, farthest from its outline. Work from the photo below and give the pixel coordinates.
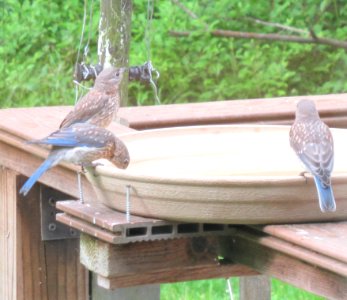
(40, 41)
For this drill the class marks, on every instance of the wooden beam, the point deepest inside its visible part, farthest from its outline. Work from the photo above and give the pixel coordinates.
(333, 110)
(178, 274)
(159, 262)
(258, 252)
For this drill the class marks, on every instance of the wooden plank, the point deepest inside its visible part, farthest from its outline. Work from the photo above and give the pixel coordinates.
(31, 268)
(8, 235)
(333, 109)
(113, 227)
(160, 261)
(289, 268)
(326, 238)
(142, 292)
(255, 288)
(102, 216)
(66, 277)
(178, 274)
(304, 254)
(38, 122)
(45, 270)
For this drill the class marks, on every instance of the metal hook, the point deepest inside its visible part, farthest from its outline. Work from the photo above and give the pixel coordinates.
(80, 189)
(127, 202)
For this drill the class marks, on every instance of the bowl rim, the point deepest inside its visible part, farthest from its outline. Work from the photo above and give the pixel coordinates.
(239, 180)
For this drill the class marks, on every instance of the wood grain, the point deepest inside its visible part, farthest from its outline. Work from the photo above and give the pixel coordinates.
(160, 261)
(47, 269)
(31, 269)
(178, 274)
(289, 267)
(329, 239)
(255, 288)
(8, 235)
(333, 110)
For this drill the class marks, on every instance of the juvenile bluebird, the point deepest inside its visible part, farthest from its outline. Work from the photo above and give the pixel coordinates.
(313, 143)
(81, 144)
(101, 103)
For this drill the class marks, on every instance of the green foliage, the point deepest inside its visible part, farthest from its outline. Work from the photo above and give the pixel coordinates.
(40, 40)
(217, 289)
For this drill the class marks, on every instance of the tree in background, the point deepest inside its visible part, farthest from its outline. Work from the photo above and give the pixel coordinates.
(203, 51)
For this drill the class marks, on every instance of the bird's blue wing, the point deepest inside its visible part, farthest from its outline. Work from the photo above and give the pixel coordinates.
(60, 138)
(77, 135)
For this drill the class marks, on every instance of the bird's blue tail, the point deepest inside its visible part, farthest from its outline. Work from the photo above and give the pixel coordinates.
(325, 196)
(48, 163)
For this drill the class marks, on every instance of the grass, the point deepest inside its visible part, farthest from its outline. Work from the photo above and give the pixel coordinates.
(216, 289)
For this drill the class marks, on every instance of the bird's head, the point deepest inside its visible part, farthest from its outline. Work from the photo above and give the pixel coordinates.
(306, 109)
(109, 78)
(121, 156)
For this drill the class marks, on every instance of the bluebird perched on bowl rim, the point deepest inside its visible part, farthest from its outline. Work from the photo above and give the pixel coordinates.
(81, 144)
(312, 141)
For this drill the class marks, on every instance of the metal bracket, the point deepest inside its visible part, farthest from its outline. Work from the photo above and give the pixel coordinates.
(50, 228)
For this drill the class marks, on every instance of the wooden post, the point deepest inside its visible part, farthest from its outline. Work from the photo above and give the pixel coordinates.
(255, 288)
(30, 268)
(114, 37)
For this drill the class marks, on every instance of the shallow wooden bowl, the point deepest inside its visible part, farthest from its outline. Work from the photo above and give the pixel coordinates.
(219, 174)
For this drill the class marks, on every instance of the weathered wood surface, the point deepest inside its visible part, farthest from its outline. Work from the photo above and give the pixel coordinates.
(112, 226)
(302, 267)
(159, 262)
(176, 275)
(255, 288)
(329, 239)
(332, 108)
(31, 269)
(8, 235)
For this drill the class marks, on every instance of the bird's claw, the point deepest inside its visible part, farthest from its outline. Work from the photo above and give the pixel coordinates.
(303, 174)
(95, 164)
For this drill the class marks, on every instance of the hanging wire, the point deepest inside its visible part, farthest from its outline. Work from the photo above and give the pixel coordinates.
(148, 32)
(230, 289)
(86, 47)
